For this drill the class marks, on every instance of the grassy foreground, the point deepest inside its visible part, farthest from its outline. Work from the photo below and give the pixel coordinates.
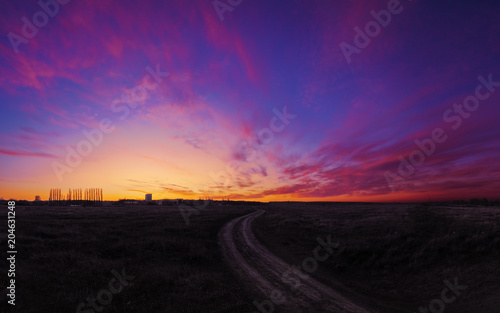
(67, 254)
(397, 254)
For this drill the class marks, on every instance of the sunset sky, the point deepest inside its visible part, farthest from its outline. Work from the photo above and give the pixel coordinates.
(257, 100)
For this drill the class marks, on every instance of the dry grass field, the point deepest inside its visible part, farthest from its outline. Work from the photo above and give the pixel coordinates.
(67, 254)
(396, 254)
(392, 255)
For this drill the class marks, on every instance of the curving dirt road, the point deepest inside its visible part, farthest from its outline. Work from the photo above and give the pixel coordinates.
(269, 276)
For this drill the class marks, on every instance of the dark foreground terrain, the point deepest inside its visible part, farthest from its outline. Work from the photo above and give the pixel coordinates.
(390, 257)
(67, 254)
(396, 255)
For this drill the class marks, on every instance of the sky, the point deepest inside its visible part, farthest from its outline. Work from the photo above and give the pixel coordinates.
(251, 99)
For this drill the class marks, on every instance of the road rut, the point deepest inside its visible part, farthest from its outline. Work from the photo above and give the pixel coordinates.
(259, 269)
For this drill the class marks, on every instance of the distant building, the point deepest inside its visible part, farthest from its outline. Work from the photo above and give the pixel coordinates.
(149, 197)
(169, 201)
(127, 201)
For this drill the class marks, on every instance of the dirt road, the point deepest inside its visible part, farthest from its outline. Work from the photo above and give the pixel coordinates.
(269, 276)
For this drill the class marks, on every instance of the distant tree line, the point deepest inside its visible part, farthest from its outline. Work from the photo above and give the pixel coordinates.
(89, 196)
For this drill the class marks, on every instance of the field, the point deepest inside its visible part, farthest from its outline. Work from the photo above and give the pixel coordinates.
(393, 257)
(67, 254)
(396, 255)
